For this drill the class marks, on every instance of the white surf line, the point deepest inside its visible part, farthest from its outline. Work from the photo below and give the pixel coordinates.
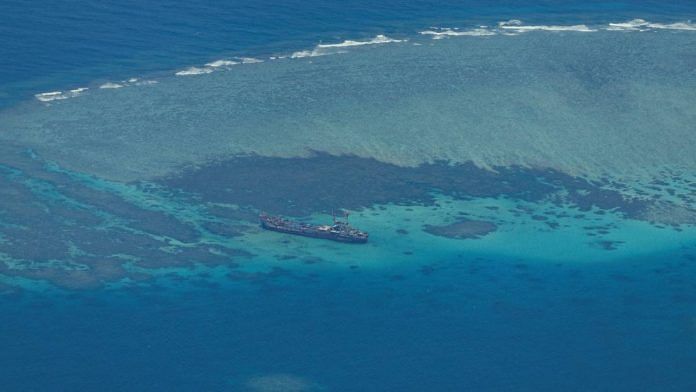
(60, 95)
(337, 48)
(644, 25)
(440, 33)
(516, 27)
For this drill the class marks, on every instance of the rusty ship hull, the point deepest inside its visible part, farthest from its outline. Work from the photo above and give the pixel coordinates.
(339, 231)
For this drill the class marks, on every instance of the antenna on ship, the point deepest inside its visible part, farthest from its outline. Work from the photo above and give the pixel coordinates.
(333, 215)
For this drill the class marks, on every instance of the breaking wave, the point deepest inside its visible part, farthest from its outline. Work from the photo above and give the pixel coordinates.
(60, 95)
(644, 25)
(222, 63)
(250, 60)
(217, 64)
(505, 28)
(327, 49)
(379, 39)
(518, 27)
(110, 85)
(193, 71)
(440, 33)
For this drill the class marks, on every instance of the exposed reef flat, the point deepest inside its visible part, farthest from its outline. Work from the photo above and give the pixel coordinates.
(463, 229)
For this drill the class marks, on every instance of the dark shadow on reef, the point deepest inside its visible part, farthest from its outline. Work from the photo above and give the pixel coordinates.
(301, 186)
(462, 229)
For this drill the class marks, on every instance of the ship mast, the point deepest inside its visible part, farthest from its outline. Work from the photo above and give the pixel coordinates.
(345, 216)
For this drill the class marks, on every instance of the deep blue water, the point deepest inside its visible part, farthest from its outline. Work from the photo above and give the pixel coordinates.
(470, 324)
(449, 321)
(58, 44)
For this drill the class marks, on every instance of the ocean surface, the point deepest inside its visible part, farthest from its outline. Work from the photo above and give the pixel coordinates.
(526, 171)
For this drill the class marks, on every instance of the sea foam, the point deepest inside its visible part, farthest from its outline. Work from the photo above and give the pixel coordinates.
(60, 95)
(632, 25)
(674, 26)
(337, 48)
(644, 25)
(217, 65)
(517, 26)
(250, 60)
(193, 71)
(110, 85)
(222, 63)
(379, 39)
(440, 33)
(50, 96)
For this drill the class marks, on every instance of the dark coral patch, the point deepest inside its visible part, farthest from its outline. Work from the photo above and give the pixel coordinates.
(608, 245)
(59, 228)
(462, 229)
(302, 186)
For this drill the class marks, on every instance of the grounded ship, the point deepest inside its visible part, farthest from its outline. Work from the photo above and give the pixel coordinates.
(340, 230)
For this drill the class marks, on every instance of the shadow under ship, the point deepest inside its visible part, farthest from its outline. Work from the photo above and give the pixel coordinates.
(339, 231)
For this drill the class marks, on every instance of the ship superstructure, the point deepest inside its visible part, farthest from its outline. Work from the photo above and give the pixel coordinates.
(340, 230)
